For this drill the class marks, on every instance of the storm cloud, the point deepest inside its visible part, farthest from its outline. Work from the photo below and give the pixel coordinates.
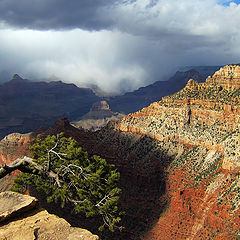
(57, 14)
(118, 45)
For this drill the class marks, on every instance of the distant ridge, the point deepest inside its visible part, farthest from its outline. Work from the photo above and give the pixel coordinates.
(205, 71)
(26, 105)
(136, 100)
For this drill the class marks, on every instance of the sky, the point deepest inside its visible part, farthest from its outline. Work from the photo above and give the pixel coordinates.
(119, 45)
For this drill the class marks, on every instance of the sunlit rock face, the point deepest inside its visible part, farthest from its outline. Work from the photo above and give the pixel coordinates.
(98, 117)
(202, 121)
(228, 77)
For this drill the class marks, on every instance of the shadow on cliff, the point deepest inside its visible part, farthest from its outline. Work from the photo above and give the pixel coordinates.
(142, 165)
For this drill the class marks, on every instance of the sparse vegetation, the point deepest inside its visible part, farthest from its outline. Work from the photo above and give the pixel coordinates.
(210, 171)
(235, 64)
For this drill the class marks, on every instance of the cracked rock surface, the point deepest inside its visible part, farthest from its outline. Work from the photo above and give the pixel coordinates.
(35, 224)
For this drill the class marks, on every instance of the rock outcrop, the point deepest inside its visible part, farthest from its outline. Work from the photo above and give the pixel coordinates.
(98, 106)
(12, 204)
(22, 220)
(98, 117)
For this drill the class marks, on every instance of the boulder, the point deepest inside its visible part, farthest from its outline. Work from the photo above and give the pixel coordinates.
(12, 204)
(34, 223)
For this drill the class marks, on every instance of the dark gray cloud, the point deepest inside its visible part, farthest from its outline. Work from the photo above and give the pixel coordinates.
(57, 14)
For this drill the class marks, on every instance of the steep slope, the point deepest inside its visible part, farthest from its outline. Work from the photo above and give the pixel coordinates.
(26, 105)
(203, 178)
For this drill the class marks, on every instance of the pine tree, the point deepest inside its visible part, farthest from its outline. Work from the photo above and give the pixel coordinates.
(66, 173)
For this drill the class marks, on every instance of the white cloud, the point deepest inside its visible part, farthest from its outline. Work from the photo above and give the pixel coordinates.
(185, 17)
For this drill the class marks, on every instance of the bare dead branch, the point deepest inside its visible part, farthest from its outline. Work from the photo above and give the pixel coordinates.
(54, 152)
(105, 198)
(27, 165)
(75, 202)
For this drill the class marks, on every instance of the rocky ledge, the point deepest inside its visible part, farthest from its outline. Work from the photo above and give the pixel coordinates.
(21, 219)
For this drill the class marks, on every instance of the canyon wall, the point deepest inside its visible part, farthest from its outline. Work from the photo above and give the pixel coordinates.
(202, 182)
(11, 147)
(179, 160)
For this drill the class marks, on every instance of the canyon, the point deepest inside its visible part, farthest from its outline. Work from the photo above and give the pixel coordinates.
(179, 161)
(27, 105)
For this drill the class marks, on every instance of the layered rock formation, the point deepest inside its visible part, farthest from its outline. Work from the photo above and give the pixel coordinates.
(98, 117)
(227, 77)
(202, 121)
(21, 219)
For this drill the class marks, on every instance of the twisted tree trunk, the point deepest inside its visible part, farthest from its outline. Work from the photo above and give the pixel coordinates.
(27, 165)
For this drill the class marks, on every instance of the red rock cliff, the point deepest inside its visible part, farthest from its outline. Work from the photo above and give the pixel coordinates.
(202, 183)
(11, 147)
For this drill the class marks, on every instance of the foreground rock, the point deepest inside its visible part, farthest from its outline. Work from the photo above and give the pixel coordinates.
(12, 204)
(34, 223)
